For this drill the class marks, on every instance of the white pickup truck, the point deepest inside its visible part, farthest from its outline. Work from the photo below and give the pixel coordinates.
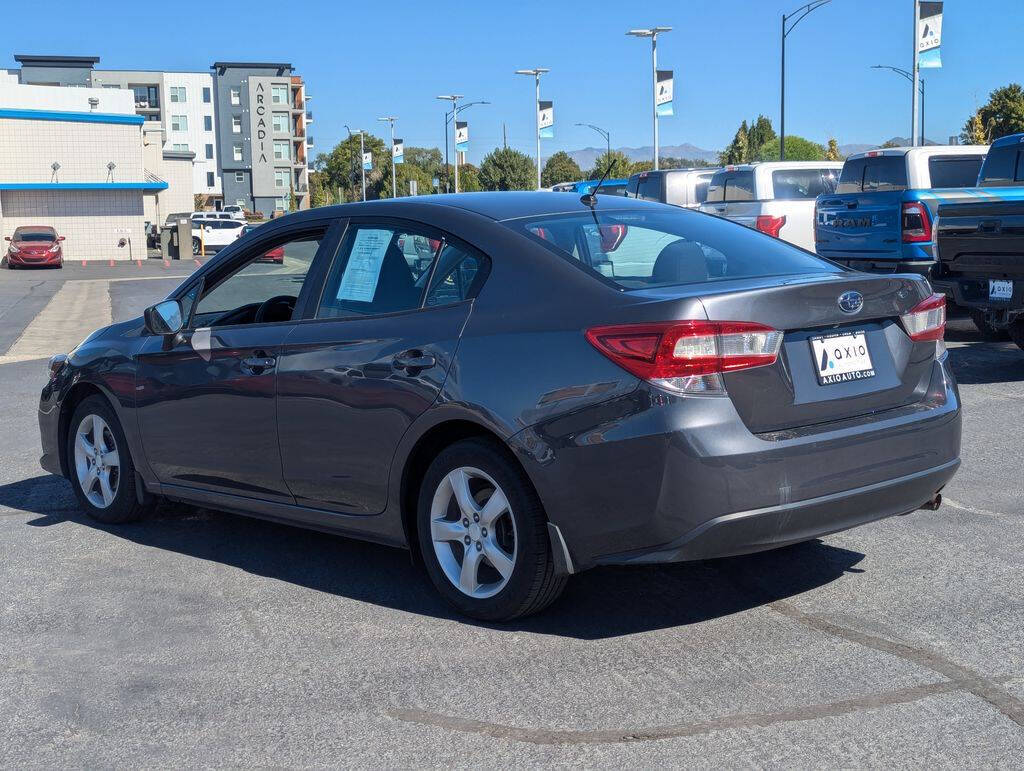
(775, 197)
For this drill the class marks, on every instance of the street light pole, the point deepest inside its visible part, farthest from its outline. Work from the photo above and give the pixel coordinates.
(536, 72)
(391, 119)
(799, 13)
(652, 33)
(607, 135)
(454, 99)
(909, 76)
(913, 98)
(362, 163)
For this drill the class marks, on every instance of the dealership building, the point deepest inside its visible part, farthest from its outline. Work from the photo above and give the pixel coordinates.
(73, 158)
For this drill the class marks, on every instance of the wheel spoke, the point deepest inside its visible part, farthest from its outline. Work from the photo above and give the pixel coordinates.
(468, 574)
(496, 505)
(97, 434)
(105, 489)
(460, 487)
(90, 479)
(86, 446)
(111, 459)
(501, 561)
(446, 530)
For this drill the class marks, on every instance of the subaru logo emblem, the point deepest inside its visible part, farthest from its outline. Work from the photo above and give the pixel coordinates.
(851, 302)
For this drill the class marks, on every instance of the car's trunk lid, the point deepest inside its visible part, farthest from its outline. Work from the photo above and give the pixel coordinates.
(859, 225)
(790, 393)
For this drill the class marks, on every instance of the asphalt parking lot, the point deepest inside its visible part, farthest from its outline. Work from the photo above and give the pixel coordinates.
(198, 638)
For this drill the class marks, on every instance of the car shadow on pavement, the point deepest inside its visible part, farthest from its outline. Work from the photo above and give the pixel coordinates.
(600, 603)
(984, 363)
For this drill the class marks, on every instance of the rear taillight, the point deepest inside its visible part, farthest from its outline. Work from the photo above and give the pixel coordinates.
(926, 320)
(916, 224)
(687, 356)
(766, 223)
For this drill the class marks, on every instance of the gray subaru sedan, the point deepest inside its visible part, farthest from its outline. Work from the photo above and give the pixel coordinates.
(518, 387)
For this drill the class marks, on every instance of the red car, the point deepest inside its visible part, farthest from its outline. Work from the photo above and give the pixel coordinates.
(275, 255)
(35, 245)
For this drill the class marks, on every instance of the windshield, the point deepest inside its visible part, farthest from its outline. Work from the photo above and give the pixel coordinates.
(34, 235)
(645, 249)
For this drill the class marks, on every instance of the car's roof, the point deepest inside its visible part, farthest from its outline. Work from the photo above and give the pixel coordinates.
(687, 170)
(921, 150)
(34, 229)
(782, 165)
(1009, 139)
(496, 205)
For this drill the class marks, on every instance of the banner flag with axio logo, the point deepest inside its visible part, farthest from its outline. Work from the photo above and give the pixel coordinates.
(368, 161)
(397, 151)
(461, 136)
(663, 93)
(546, 119)
(929, 35)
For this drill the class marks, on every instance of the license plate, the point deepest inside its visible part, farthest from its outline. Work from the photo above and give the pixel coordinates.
(999, 289)
(842, 357)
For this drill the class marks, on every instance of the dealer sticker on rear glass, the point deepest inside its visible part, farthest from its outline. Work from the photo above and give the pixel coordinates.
(842, 357)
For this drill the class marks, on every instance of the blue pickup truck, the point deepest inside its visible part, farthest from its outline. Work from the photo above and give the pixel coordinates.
(880, 217)
(893, 209)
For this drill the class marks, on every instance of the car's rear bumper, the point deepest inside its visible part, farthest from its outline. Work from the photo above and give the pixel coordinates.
(745, 532)
(683, 478)
(972, 292)
(920, 267)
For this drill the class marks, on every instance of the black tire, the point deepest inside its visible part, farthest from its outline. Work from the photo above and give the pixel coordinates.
(125, 506)
(1016, 331)
(10, 265)
(197, 246)
(533, 583)
(988, 332)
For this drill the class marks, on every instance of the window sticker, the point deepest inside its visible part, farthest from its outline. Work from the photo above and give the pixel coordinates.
(362, 272)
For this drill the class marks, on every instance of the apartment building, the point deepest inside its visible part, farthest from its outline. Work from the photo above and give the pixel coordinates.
(181, 102)
(262, 135)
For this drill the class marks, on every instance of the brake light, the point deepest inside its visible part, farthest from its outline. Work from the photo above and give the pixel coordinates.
(926, 320)
(687, 356)
(611, 236)
(917, 225)
(766, 223)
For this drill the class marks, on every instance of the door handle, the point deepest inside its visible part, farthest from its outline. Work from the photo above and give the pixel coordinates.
(413, 361)
(257, 365)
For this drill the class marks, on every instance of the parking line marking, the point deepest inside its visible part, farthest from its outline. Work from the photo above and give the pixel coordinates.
(970, 509)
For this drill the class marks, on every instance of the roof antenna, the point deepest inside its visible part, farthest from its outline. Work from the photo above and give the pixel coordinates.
(590, 199)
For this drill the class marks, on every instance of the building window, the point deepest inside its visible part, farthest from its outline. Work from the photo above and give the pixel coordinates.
(282, 150)
(236, 96)
(236, 124)
(206, 94)
(209, 152)
(207, 123)
(279, 94)
(239, 176)
(179, 123)
(146, 96)
(278, 204)
(281, 123)
(209, 179)
(236, 151)
(282, 178)
(177, 93)
(179, 148)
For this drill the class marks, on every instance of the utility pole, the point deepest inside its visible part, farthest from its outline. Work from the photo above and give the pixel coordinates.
(362, 164)
(536, 72)
(391, 119)
(652, 33)
(504, 135)
(799, 13)
(606, 134)
(454, 99)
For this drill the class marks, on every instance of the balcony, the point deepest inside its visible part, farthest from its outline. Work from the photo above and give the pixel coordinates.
(309, 117)
(309, 141)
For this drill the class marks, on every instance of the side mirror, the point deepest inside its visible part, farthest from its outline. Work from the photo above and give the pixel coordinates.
(7, 238)
(164, 318)
(60, 238)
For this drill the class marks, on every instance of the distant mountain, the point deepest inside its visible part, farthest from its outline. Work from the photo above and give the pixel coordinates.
(898, 141)
(586, 157)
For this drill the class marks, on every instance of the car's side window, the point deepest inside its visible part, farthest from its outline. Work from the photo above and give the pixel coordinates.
(263, 288)
(379, 269)
(459, 273)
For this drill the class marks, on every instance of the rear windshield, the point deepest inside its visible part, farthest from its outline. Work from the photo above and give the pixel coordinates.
(649, 187)
(731, 186)
(882, 173)
(793, 184)
(700, 188)
(640, 250)
(34, 235)
(619, 188)
(1004, 166)
(954, 171)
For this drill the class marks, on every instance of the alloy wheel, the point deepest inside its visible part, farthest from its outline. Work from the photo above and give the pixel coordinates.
(473, 532)
(97, 463)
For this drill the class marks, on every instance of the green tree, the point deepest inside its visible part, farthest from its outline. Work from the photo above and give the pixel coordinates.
(319, 191)
(560, 167)
(760, 134)
(891, 143)
(797, 149)
(737, 151)
(832, 151)
(469, 179)
(506, 169)
(342, 167)
(1004, 112)
(621, 165)
(293, 200)
(975, 132)
(636, 167)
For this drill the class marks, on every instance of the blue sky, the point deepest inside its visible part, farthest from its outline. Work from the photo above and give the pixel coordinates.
(368, 60)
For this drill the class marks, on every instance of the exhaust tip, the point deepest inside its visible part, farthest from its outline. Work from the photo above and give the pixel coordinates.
(934, 503)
